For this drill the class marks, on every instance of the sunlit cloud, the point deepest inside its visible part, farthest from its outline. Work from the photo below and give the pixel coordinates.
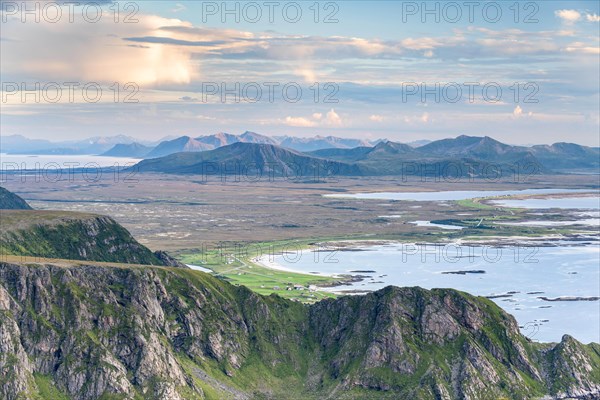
(299, 122)
(417, 119)
(81, 51)
(582, 48)
(170, 58)
(330, 119)
(518, 112)
(568, 16)
(593, 17)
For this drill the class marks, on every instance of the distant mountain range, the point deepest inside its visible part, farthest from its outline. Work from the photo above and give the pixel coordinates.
(124, 146)
(211, 142)
(355, 156)
(458, 157)
(18, 144)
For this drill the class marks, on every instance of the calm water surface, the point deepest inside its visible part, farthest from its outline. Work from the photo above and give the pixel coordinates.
(530, 273)
(449, 195)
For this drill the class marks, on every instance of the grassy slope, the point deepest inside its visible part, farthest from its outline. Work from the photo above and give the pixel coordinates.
(69, 235)
(10, 201)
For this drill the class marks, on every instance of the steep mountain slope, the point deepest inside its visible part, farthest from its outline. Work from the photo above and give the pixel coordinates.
(92, 332)
(68, 235)
(250, 160)
(184, 143)
(134, 150)
(10, 201)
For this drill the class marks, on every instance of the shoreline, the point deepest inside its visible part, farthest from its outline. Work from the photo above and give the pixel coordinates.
(349, 279)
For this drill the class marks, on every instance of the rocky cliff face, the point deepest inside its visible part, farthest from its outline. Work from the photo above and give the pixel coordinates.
(93, 332)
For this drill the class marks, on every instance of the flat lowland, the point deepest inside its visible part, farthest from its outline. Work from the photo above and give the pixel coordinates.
(224, 226)
(177, 213)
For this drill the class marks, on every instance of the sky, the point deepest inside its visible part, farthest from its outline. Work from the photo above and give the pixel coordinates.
(522, 72)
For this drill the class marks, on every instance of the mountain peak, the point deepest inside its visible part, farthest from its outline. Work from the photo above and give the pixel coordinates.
(180, 144)
(253, 137)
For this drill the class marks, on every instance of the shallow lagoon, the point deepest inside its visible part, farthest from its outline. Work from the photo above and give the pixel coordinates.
(587, 203)
(450, 195)
(552, 272)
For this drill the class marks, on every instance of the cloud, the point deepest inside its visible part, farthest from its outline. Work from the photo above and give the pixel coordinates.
(160, 51)
(593, 17)
(568, 16)
(299, 122)
(417, 119)
(582, 48)
(425, 43)
(572, 16)
(310, 57)
(178, 8)
(205, 117)
(171, 58)
(332, 119)
(85, 52)
(307, 73)
(518, 112)
(168, 40)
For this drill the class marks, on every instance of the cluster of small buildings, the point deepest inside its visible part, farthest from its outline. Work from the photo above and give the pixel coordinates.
(310, 288)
